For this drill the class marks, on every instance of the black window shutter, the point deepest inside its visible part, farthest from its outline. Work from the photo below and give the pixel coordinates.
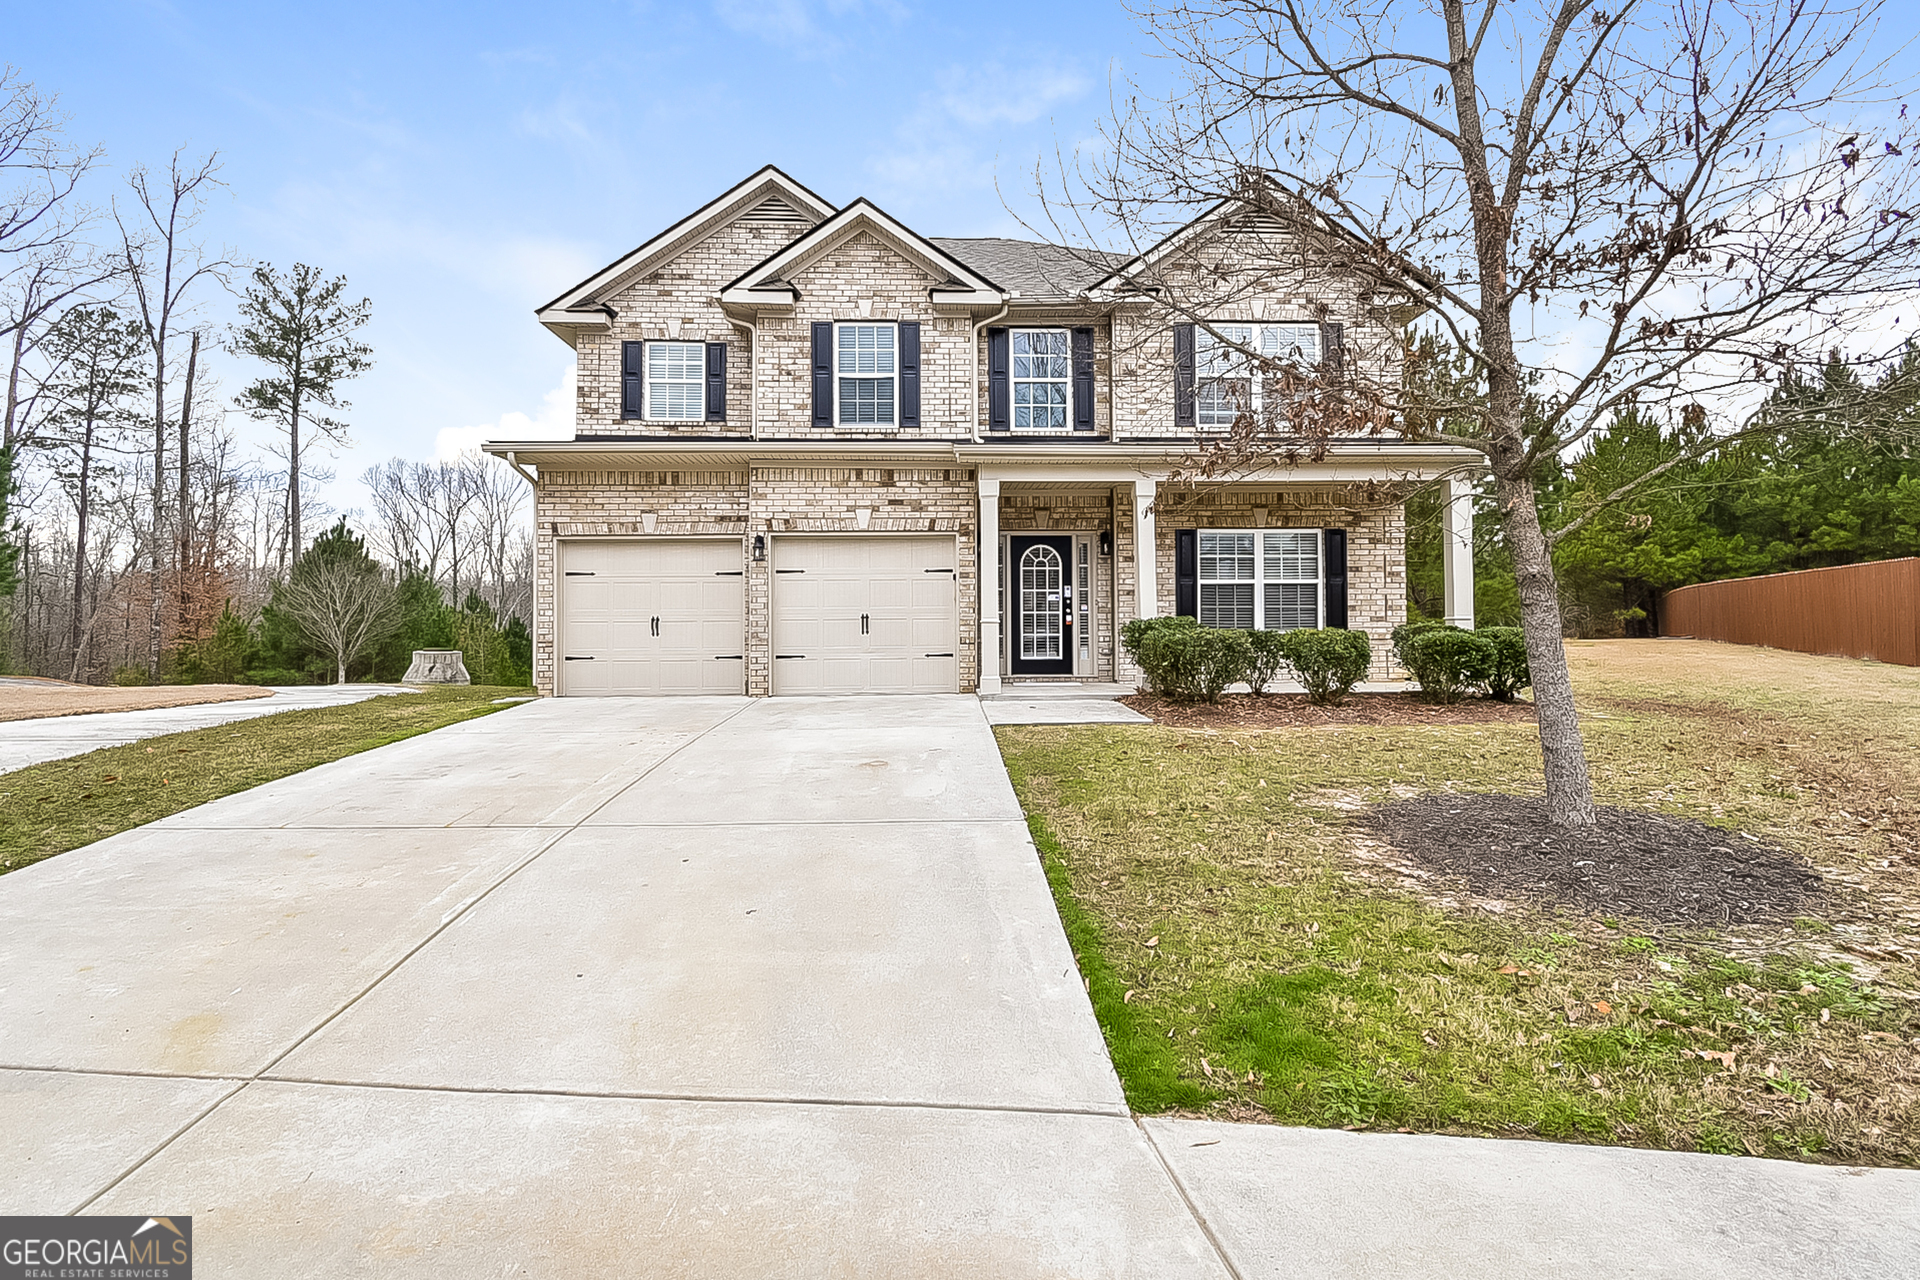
(632, 361)
(1183, 376)
(1083, 379)
(716, 382)
(1335, 563)
(999, 368)
(1186, 572)
(1333, 346)
(909, 373)
(823, 373)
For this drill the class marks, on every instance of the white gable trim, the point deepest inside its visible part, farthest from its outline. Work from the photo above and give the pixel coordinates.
(580, 306)
(766, 284)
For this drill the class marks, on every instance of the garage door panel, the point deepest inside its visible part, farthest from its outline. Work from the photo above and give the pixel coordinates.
(612, 593)
(831, 583)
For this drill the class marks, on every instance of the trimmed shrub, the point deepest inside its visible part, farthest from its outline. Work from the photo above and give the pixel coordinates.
(1328, 661)
(1267, 655)
(1449, 663)
(1407, 630)
(1137, 636)
(1508, 673)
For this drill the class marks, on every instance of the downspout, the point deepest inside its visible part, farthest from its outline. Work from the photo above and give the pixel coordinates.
(1006, 305)
(753, 374)
(514, 462)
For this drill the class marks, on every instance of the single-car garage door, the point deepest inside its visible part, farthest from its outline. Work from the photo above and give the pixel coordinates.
(666, 615)
(874, 614)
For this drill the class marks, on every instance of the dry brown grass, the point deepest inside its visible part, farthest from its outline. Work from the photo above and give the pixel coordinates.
(57, 698)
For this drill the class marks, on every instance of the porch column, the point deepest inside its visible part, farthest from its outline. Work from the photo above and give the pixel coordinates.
(989, 581)
(1146, 564)
(1456, 551)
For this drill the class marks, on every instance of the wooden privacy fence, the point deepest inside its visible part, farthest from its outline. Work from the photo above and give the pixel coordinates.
(1860, 610)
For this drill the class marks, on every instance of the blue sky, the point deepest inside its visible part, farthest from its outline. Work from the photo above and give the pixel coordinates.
(464, 163)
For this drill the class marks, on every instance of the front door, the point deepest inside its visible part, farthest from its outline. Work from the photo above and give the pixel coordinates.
(1042, 605)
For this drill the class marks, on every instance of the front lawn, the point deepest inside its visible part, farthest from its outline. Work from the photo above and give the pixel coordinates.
(1254, 953)
(47, 809)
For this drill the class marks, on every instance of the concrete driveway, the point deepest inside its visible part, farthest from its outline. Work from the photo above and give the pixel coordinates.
(691, 987)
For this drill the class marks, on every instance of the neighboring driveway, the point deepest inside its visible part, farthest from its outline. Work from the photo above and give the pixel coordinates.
(35, 741)
(694, 987)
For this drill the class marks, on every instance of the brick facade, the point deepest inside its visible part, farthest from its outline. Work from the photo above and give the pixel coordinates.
(740, 478)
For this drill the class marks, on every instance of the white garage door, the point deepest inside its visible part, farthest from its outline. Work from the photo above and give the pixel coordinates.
(865, 615)
(654, 617)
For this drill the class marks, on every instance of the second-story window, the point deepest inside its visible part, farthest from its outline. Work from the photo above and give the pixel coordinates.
(1225, 380)
(676, 381)
(866, 369)
(1042, 374)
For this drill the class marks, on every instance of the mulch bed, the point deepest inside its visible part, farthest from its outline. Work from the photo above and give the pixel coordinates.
(1293, 711)
(1663, 869)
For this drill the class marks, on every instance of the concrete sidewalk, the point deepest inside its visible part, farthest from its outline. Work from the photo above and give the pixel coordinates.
(27, 742)
(691, 987)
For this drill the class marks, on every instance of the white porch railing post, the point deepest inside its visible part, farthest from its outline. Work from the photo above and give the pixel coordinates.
(989, 583)
(1456, 552)
(1146, 567)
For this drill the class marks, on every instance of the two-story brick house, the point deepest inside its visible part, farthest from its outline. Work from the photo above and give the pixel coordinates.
(818, 452)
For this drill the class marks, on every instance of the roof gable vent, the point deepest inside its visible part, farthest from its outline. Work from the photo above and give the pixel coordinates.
(773, 211)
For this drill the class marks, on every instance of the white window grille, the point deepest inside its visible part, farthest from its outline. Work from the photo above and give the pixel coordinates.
(1042, 378)
(1265, 579)
(1042, 580)
(1226, 384)
(866, 370)
(676, 374)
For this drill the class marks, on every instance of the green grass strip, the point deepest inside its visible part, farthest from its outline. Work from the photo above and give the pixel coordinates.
(47, 809)
(1149, 1069)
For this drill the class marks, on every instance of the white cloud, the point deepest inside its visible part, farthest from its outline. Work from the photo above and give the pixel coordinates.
(949, 141)
(552, 421)
(804, 26)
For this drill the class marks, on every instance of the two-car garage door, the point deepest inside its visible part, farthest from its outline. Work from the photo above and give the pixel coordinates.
(852, 614)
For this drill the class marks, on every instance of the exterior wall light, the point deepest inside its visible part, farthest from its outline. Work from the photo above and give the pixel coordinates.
(1106, 543)
(759, 546)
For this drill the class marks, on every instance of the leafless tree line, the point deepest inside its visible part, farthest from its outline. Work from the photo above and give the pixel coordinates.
(139, 515)
(461, 523)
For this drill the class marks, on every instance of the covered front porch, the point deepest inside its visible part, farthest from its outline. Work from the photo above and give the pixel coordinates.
(1319, 544)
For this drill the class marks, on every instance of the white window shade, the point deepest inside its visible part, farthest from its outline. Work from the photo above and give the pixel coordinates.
(1259, 579)
(1042, 378)
(676, 374)
(866, 367)
(1227, 383)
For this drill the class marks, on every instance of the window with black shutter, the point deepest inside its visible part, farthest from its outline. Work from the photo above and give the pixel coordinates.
(999, 393)
(909, 373)
(1183, 377)
(632, 375)
(823, 375)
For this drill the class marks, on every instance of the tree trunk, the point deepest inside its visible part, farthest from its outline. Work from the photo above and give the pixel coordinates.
(158, 538)
(185, 528)
(80, 547)
(1563, 751)
(293, 480)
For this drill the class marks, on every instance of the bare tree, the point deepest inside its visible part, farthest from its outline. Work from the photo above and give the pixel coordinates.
(297, 325)
(40, 169)
(163, 263)
(343, 606)
(1682, 205)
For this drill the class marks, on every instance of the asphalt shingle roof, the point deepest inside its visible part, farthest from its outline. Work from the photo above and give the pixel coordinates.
(1033, 270)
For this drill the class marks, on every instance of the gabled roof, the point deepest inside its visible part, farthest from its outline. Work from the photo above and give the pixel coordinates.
(767, 196)
(1033, 270)
(767, 284)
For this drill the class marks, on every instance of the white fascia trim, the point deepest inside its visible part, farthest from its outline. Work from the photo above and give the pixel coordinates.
(695, 223)
(746, 297)
(824, 237)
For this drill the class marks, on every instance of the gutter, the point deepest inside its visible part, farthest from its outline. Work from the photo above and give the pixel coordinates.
(514, 462)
